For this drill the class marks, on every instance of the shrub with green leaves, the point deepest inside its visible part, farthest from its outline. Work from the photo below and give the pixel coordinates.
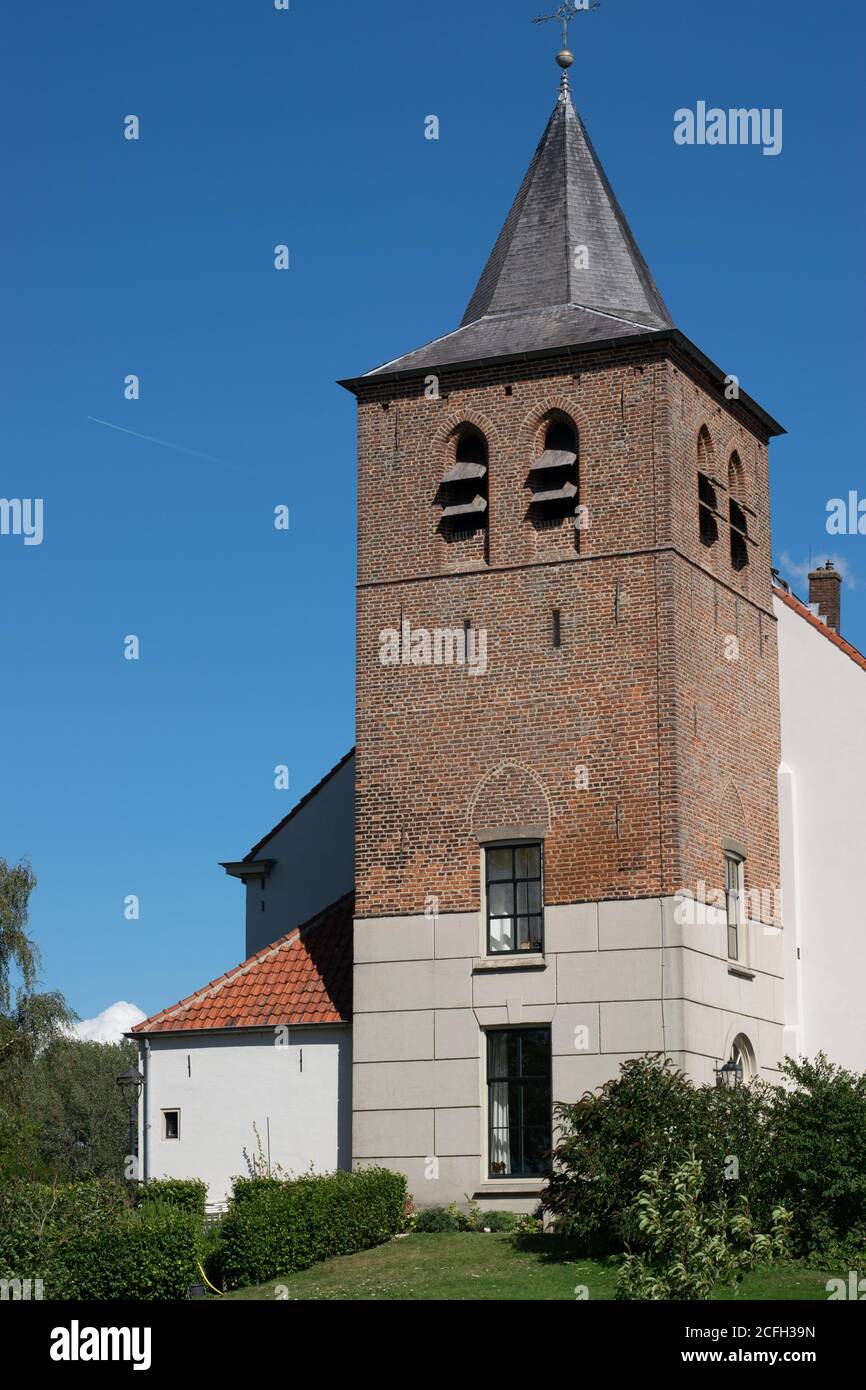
(188, 1194)
(84, 1242)
(688, 1245)
(819, 1124)
(430, 1220)
(648, 1115)
(274, 1228)
(498, 1220)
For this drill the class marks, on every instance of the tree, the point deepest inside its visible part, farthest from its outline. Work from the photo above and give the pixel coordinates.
(16, 947)
(71, 1094)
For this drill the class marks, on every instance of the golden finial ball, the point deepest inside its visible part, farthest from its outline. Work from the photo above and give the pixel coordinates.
(565, 59)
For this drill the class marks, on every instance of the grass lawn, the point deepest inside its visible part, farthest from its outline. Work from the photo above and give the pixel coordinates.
(474, 1266)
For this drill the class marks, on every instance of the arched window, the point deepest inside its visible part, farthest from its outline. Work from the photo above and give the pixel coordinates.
(463, 492)
(739, 526)
(743, 1057)
(553, 476)
(707, 500)
(741, 1067)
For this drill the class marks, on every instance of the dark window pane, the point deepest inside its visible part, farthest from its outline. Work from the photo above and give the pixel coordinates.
(536, 1150)
(528, 898)
(499, 864)
(536, 1052)
(528, 861)
(501, 900)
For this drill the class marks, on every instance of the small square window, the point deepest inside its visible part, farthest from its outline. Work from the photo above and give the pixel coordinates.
(171, 1124)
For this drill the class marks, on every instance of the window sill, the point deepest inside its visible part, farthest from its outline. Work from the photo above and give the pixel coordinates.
(531, 960)
(742, 972)
(503, 1187)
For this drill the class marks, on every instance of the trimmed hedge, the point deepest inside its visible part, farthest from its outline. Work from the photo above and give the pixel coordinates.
(83, 1242)
(188, 1194)
(273, 1229)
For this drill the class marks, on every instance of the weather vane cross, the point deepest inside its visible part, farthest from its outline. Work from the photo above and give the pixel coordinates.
(568, 11)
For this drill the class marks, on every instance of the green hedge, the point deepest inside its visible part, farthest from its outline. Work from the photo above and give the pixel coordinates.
(188, 1194)
(273, 1228)
(83, 1241)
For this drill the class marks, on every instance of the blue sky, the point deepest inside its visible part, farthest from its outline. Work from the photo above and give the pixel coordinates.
(155, 257)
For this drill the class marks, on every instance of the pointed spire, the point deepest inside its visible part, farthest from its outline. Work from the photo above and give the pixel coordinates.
(566, 240)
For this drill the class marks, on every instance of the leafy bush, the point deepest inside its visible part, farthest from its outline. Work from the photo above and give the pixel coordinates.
(498, 1220)
(275, 1228)
(143, 1255)
(188, 1194)
(648, 1115)
(245, 1189)
(36, 1219)
(84, 1242)
(690, 1245)
(433, 1219)
(820, 1131)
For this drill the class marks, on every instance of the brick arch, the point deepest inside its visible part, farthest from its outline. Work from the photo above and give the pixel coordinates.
(734, 446)
(453, 423)
(509, 794)
(732, 815)
(706, 459)
(530, 427)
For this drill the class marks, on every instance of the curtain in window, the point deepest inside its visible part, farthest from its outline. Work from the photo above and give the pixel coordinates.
(500, 1118)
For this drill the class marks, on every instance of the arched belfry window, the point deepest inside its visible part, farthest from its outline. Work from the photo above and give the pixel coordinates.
(553, 477)
(739, 525)
(707, 498)
(463, 492)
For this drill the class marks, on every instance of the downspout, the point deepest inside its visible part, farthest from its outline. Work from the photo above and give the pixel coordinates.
(143, 1125)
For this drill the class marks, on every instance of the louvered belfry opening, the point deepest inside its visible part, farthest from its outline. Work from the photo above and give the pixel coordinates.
(463, 491)
(707, 498)
(553, 477)
(739, 525)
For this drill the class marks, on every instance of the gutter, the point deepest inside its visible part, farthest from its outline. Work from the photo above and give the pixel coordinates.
(670, 336)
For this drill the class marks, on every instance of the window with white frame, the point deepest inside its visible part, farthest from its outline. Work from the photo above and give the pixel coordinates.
(171, 1124)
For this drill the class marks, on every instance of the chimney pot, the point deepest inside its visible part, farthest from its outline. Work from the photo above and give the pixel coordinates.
(825, 592)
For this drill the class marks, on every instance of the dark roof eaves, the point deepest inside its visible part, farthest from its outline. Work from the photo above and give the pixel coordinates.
(654, 335)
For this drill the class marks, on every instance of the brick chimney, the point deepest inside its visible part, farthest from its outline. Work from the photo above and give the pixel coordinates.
(825, 592)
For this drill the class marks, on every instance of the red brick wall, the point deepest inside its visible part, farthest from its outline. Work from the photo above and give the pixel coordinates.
(678, 741)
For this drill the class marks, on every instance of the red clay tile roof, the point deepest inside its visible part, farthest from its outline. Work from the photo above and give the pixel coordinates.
(305, 977)
(856, 656)
(295, 809)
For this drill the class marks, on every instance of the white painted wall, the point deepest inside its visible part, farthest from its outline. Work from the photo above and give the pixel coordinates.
(224, 1084)
(822, 787)
(315, 854)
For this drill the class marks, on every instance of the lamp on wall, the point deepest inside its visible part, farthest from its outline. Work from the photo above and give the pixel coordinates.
(730, 1075)
(130, 1083)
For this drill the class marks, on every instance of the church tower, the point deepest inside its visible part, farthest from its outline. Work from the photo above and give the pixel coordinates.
(567, 704)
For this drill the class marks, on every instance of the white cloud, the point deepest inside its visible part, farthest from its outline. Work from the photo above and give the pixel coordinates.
(799, 570)
(111, 1024)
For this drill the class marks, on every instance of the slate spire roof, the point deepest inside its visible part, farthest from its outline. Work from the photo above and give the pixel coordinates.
(565, 202)
(533, 295)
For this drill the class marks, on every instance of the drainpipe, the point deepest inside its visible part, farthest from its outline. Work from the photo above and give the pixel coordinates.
(144, 1126)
